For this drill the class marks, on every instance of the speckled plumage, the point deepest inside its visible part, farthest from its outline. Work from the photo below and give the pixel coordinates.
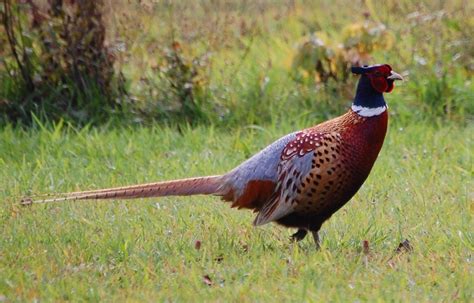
(319, 170)
(299, 180)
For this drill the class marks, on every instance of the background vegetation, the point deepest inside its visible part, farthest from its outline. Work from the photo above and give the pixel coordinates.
(108, 93)
(217, 61)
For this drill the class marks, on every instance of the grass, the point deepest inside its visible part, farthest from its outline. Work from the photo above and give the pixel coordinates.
(420, 190)
(145, 250)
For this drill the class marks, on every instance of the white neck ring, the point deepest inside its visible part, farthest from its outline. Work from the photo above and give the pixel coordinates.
(368, 111)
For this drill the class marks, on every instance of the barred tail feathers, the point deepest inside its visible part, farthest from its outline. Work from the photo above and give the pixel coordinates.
(181, 187)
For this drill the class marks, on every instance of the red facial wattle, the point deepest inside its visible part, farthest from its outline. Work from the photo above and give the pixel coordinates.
(379, 84)
(379, 81)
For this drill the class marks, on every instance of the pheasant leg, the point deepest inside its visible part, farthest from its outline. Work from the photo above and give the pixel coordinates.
(317, 241)
(299, 235)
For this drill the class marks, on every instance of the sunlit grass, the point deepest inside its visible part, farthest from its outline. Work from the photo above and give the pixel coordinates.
(145, 249)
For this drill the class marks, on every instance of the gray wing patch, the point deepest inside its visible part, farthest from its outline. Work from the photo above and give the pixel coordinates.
(261, 166)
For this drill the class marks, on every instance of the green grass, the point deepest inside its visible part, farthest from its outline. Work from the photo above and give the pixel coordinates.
(144, 250)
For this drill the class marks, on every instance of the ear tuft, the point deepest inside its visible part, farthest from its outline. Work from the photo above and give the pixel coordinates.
(358, 70)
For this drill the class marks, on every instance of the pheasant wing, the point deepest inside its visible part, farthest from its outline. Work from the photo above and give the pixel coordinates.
(295, 163)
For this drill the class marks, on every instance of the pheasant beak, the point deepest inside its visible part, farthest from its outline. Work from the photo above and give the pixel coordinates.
(394, 76)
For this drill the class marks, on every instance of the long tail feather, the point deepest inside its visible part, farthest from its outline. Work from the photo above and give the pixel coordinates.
(182, 187)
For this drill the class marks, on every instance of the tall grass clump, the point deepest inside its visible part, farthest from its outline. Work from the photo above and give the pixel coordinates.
(177, 90)
(56, 63)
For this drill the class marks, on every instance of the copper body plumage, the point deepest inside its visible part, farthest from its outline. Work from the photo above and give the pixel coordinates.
(298, 181)
(342, 156)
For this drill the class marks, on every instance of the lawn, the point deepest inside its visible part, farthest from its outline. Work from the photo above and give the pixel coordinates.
(199, 249)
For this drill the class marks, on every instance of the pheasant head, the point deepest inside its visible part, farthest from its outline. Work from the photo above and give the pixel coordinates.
(374, 81)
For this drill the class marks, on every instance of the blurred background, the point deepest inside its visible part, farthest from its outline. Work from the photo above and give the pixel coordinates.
(228, 63)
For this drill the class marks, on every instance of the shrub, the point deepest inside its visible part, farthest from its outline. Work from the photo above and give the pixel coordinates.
(58, 63)
(184, 81)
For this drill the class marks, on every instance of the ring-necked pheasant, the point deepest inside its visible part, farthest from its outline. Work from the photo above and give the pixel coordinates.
(299, 180)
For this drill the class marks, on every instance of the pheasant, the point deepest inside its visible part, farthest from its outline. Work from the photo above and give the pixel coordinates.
(298, 181)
